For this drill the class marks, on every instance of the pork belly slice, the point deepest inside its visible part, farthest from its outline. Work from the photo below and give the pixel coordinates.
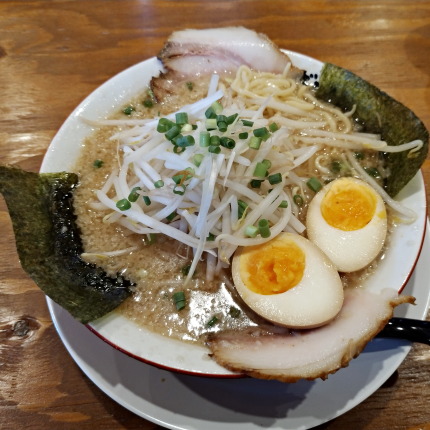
(288, 356)
(190, 54)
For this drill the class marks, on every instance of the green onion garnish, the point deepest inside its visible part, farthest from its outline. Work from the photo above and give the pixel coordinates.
(179, 300)
(221, 121)
(128, 110)
(123, 204)
(251, 231)
(283, 204)
(173, 132)
(256, 183)
(255, 142)
(260, 170)
(372, 171)
(197, 159)
(159, 183)
(227, 142)
(336, 166)
(214, 149)
(234, 312)
(263, 228)
(217, 107)
(204, 138)
(212, 321)
(210, 113)
(147, 200)
(211, 237)
(314, 184)
(186, 269)
(148, 103)
(172, 216)
(181, 118)
(164, 124)
(179, 189)
(298, 200)
(151, 238)
(184, 141)
(267, 163)
(359, 155)
(243, 135)
(98, 163)
(232, 118)
(215, 140)
(273, 127)
(211, 124)
(276, 178)
(262, 132)
(178, 149)
(247, 123)
(190, 85)
(242, 208)
(134, 195)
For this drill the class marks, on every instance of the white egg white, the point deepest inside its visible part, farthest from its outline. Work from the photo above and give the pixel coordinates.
(348, 250)
(314, 301)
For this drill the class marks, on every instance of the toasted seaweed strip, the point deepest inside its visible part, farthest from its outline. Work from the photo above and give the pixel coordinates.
(49, 245)
(377, 112)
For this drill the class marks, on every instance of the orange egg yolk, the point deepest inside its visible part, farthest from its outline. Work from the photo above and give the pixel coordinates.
(272, 268)
(348, 205)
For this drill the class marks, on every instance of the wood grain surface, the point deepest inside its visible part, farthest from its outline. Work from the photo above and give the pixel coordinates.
(54, 53)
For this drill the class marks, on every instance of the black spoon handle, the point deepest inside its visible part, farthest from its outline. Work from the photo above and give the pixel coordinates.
(407, 329)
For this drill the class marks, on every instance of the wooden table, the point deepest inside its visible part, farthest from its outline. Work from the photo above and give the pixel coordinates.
(54, 53)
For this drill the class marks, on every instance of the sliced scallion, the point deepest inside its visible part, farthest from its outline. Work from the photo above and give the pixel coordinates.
(264, 228)
(247, 123)
(123, 204)
(134, 195)
(214, 149)
(159, 184)
(262, 132)
(212, 321)
(172, 216)
(260, 170)
(251, 231)
(273, 127)
(314, 184)
(275, 178)
(227, 142)
(173, 132)
(243, 135)
(283, 204)
(298, 200)
(197, 159)
(147, 200)
(211, 124)
(179, 300)
(204, 139)
(255, 142)
(181, 118)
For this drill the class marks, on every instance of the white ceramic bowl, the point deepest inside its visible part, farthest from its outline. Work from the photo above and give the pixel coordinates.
(171, 354)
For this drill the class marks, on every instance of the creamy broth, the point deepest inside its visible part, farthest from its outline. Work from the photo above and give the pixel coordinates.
(158, 269)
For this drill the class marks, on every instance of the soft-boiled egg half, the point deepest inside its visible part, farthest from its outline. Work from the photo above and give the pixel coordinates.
(347, 219)
(289, 281)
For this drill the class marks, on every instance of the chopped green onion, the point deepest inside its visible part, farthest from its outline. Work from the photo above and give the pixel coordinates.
(147, 200)
(211, 124)
(232, 118)
(186, 127)
(181, 118)
(217, 107)
(210, 113)
(283, 204)
(186, 269)
(336, 166)
(179, 300)
(190, 85)
(273, 127)
(197, 159)
(256, 183)
(172, 216)
(242, 208)
(298, 200)
(184, 141)
(267, 163)
(314, 184)
(211, 237)
(251, 231)
(134, 195)
(204, 139)
(214, 149)
(222, 126)
(178, 149)
(263, 228)
(227, 142)
(255, 142)
(260, 170)
(128, 110)
(179, 189)
(172, 132)
(215, 140)
(151, 238)
(372, 171)
(359, 155)
(212, 321)
(262, 132)
(148, 103)
(164, 124)
(123, 204)
(234, 312)
(247, 123)
(276, 178)
(159, 183)
(98, 163)
(243, 135)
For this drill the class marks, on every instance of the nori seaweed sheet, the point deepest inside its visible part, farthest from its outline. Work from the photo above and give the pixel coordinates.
(379, 113)
(49, 244)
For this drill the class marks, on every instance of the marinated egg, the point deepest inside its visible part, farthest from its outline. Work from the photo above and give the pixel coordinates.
(347, 219)
(288, 281)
